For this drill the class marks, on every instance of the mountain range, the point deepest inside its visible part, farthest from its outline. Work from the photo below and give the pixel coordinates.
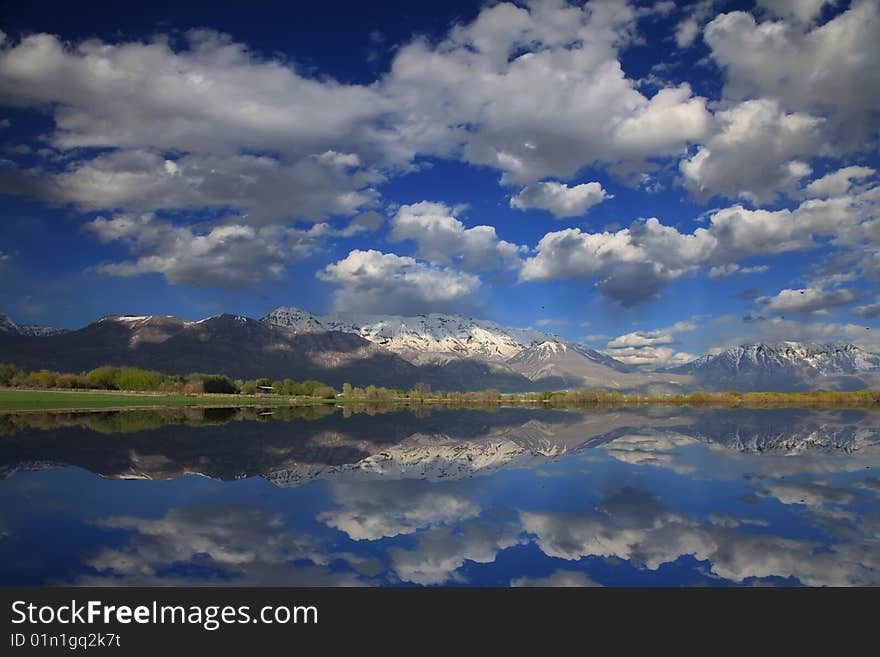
(9, 328)
(786, 366)
(450, 352)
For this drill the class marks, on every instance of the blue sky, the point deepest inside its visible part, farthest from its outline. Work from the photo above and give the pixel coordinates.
(656, 179)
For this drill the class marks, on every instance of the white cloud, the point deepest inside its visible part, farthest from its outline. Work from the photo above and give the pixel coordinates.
(651, 348)
(556, 579)
(538, 92)
(560, 199)
(808, 300)
(264, 188)
(727, 331)
(686, 32)
(631, 265)
(754, 152)
(375, 282)
(651, 357)
(689, 28)
(729, 269)
(211, 96)
(837, 183)
(830, 70)
(869, 310)
(804, 11)
(651, 338)
(443, 239)
(229, 254)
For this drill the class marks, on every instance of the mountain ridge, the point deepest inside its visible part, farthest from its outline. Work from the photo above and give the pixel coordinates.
(449, 352)
(800, 366)
(10, 328)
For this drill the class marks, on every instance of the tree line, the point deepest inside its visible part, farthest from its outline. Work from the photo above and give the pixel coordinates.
(110, 377)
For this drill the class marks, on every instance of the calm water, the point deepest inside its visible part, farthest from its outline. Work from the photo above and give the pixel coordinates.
(662, 496)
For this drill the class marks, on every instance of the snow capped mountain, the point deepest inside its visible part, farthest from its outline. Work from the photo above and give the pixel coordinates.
(566, 361)
(824, 358)
(422, 338)
(786, 366)
(11, 328)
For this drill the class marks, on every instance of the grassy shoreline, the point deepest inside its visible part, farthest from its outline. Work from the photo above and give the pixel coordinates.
(16, 399)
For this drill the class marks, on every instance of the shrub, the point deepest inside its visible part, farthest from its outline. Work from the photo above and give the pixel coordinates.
(103, 377)
(9, 372)
(218, 383)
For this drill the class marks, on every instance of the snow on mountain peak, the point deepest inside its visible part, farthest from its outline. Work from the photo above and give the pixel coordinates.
(10, 327)
(823, 358)
(432, 333)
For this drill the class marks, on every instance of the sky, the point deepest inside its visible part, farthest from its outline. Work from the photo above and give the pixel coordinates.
(653, 179)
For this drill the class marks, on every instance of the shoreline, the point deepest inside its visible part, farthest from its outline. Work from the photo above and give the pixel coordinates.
(17, 400)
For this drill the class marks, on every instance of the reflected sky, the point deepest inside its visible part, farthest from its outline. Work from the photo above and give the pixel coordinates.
(521, 497)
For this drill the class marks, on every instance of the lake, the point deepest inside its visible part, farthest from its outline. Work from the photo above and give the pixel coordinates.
(377, 496)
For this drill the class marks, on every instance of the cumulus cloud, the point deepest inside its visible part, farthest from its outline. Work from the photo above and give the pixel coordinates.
(808, 69)
(538, 92)
(231, 254)
(631, 265)
(651, 338)
(798, 10)
(210, 95)
(557, 579)
(837, 183)
(443, 239)
(808, 300)
(533, 91)
(651, 348)
(689, 28)
(375, 282)
(754, 152)
(560, 199)
(686, 32)
(263, 189)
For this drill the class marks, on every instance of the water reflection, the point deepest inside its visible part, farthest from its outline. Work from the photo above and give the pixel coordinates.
(512, 496)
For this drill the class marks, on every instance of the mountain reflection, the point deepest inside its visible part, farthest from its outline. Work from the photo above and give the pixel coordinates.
(510, 496)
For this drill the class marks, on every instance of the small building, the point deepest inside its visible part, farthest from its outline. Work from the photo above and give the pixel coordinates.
(265, 390)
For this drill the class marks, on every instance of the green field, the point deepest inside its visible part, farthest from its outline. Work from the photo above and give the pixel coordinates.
(12, 399)
(27, 400)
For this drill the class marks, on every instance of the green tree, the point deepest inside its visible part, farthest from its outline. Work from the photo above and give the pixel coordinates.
(219, 383)
(132, 378)
(103, 377)
(9, 372)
